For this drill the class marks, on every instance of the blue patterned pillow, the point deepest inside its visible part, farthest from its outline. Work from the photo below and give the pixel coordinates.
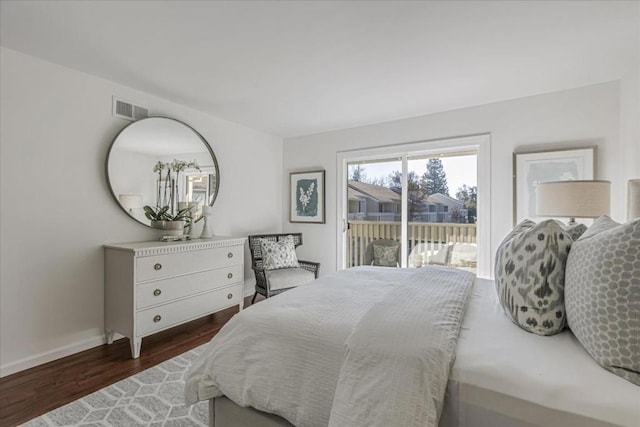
(276, 255)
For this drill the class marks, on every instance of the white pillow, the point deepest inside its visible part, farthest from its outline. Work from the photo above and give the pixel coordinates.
(276, 255)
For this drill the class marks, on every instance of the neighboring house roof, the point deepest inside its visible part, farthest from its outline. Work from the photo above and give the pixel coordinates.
(357, 190)
(445, 200)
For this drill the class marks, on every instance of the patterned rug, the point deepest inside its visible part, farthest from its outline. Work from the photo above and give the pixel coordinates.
(151, 398)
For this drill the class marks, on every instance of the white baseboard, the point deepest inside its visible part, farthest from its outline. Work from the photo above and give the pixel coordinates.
(51, 355)
(249, 289)
(68, 350)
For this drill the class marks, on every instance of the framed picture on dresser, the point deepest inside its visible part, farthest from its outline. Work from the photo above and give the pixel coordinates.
(532, 168)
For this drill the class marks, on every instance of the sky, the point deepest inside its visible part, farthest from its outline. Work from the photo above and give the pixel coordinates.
(459, 170)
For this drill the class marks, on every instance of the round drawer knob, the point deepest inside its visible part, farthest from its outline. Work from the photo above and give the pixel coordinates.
(157, 318)
(229, 296)
(230, 255)
(157, 266)
(157, 292)
(229, 276)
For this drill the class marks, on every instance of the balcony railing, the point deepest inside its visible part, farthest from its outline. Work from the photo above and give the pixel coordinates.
(432, 236)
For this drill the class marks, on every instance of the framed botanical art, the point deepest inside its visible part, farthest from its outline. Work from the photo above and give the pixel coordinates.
(307, 197)
(532, 168)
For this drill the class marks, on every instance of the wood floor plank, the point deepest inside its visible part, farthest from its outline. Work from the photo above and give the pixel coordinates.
(33, 392)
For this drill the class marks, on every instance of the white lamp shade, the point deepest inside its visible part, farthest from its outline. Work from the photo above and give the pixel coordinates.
(130, 201)
(573, 199)
(633, 200)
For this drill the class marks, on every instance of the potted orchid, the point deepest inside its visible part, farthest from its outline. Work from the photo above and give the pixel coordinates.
(166, 215)
(173, 223)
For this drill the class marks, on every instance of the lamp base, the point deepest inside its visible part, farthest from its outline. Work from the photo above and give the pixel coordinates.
(572, 222)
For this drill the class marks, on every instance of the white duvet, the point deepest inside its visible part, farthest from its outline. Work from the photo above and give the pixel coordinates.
(367, 346)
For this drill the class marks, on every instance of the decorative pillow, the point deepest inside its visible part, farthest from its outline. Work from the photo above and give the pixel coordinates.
(385, 255)
(530, 266)
(280, 254)
(601, 224)
(602, 295)
(575, 231)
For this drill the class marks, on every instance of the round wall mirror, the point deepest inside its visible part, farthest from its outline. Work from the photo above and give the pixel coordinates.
(160, 162)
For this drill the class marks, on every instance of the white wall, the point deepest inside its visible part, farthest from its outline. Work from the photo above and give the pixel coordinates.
(630, 125)
(572, 118)
(57, 211)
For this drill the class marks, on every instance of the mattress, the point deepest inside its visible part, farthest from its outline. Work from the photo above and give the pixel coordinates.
(530, 379)
(504, 376)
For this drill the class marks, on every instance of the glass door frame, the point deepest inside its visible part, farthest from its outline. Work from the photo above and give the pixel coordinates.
(479, 143)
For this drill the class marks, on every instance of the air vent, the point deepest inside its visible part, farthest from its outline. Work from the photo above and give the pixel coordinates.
(129, 111)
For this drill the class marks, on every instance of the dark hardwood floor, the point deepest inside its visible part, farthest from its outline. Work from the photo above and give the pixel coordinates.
(33, 392)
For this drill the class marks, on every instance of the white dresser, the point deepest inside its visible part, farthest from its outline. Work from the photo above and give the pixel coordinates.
(152, 286)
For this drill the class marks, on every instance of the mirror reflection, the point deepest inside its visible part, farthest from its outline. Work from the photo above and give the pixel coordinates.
(162, 164)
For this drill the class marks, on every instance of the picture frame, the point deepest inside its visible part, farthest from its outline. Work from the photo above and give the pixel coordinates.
(531, 168)
(307, 197)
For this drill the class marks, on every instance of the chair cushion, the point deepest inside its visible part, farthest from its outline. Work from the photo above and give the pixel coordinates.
(602, 295)
(385, 255)
(281, 254)
(529, 270)
(442, 256)
(288, 278)
(463, 255)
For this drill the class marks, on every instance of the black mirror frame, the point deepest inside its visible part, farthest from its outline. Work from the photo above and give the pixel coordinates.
(202, 139)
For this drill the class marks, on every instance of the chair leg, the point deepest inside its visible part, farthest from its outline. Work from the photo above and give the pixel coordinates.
(254, 297)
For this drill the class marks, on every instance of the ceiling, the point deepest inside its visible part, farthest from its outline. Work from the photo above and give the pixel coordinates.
(296, 68)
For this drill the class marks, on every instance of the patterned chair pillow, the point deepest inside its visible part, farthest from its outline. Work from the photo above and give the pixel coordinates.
(385, 255)
(276, 255)
(529, 270)
(602, 295)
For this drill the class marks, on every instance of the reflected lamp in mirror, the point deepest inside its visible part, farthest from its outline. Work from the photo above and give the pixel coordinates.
(132, 204)
(573, 199)
(633, 200)
(130, 201)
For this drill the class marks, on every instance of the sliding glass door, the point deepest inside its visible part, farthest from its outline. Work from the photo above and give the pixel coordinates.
(442, 218)
(374, 212)
(410, 208)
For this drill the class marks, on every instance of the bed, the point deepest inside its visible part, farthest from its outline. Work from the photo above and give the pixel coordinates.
(501, 376)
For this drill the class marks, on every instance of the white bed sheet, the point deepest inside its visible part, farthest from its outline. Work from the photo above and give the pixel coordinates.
(523, 376)
(505, 376)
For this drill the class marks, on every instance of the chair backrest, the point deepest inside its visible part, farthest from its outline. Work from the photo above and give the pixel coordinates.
(256, 249)
(368, 253)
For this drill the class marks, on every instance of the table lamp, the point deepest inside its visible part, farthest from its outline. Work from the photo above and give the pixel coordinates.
(633, 200)
(130, 202)
(573, 199)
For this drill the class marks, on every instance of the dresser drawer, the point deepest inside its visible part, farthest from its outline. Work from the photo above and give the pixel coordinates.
(169, 265)
(155, 319)
(165, 290)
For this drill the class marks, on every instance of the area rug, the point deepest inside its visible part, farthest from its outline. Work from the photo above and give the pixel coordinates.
(153, 398)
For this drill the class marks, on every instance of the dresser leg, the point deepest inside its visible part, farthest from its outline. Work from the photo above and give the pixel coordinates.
(110, 335)
(135, 343)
